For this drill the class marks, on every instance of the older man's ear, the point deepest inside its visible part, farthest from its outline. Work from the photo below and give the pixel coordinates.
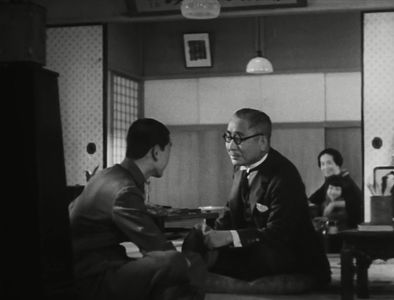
(264, 144)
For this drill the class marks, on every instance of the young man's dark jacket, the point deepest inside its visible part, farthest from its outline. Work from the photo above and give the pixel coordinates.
(112, 210)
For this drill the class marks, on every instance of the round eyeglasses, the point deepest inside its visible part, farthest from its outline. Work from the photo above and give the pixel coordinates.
(237, 139)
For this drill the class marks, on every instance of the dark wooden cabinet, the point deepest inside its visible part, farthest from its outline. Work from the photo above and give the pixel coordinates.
(37, 246)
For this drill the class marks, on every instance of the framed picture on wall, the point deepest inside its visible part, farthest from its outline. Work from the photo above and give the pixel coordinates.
(197, 50)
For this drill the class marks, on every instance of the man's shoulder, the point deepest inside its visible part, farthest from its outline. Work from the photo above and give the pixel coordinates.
(281, 161)
(277, 168)
(117, 180)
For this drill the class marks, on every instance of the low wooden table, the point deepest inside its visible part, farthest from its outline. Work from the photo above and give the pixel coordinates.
(176, 221)
(362, 247)
(195, 217)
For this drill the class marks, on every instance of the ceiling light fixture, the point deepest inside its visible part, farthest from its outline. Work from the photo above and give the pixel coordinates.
(200, 9)
(259, 64)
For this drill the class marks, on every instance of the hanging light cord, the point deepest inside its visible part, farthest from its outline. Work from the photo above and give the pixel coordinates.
(259, 64)
(259, 52)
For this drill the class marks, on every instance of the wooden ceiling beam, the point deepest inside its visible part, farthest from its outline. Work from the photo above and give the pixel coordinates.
(104, 11)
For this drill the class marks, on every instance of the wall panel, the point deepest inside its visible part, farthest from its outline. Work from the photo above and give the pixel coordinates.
(216, 169)
(303, 100)
(378, 94)
(294, 98)
(76, 53)
(219, 97)
(343, 96)
(200, 173)
(348, 142)
(301, 146)
(125, 51)
(293, 43)
(172, 101)
(300, 94)
(286, 98)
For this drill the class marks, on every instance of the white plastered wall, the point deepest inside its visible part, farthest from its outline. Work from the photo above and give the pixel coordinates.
(314, 97)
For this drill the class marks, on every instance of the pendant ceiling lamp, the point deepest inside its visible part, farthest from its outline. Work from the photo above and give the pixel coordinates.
(200, 9)
(259, 64)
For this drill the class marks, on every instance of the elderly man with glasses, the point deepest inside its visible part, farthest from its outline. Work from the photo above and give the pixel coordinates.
(267, 229)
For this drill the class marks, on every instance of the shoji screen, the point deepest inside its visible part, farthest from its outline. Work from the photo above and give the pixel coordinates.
(378, 94)
(123, 109)
(76, 53)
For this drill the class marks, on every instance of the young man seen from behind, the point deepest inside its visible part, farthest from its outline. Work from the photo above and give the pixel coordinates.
(111, 210)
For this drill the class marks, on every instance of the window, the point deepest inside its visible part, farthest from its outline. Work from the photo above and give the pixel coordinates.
(124, 108)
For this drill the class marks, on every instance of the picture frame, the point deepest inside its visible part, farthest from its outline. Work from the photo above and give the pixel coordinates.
(197, 50)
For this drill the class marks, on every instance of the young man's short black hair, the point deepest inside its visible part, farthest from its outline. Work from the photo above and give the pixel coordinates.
(143, 134)
(336, 156)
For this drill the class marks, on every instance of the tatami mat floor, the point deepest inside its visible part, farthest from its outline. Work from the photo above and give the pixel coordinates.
(380, 273)
(381, 283)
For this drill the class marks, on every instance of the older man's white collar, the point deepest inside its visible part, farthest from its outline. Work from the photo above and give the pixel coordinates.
(252, 166)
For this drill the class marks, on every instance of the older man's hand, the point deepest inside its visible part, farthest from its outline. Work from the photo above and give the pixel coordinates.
(217, 238)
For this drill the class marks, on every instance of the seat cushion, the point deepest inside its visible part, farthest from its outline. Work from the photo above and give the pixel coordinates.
(274, 284)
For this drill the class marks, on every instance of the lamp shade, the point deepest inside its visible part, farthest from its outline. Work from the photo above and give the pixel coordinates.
(259, 65)
(200, 9)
